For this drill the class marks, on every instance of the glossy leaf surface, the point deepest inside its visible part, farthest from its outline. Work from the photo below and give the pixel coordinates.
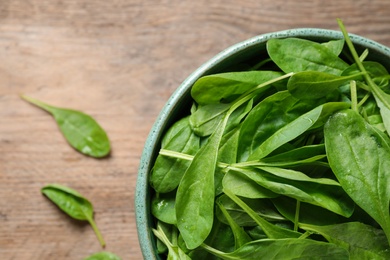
(72, 203)
(229, 86)
(296, 55)
(168, 172)
(360, 158)
(103, 256)
(80, 130)
(362, 241)
(286, 249)
(314, 85)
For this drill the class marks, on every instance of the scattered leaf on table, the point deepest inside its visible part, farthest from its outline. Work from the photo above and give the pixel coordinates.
(73, 204)
(81, 131)
(103, 256)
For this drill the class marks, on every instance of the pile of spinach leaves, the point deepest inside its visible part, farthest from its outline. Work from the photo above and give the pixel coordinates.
(291, 162)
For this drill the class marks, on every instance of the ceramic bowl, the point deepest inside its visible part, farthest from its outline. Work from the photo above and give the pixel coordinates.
(180, 101)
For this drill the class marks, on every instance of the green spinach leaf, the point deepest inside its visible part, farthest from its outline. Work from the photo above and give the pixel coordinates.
(321, 192)
(174, 251)
(205, 119)
(103, 256)
(272, 231)
(167, 171)
(314, 84)
(243, 186)
(163, 207)
(382, 99)
(266, 118)
(240, 236)
(221, 238)
(362, 241)
(286, 249)
(80, 130)
(195, 194)
(335, 46)
(286, 133)
(227, 87)
(295, 55)
(298, 154)
(308, 214)
(72, 203)
(375, 70)
(360, 158)
(263, 207)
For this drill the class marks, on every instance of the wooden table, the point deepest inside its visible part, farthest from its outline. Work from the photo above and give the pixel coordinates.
(118, 61)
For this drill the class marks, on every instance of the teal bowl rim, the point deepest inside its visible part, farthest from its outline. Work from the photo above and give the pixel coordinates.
(142, 198)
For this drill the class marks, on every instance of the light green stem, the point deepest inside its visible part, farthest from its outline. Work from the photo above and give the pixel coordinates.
(237, 166)
(261, 63)
(250, 94)
(305, 235)
(364, 55)
(356, 57)
(363, 100)
(38, 103)
(214, 251)
(159, 233)
(354, 102)
(353, 51)
(297, 211)
(97, 232)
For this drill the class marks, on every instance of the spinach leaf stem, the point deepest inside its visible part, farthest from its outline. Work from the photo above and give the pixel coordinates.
(363, 100)
(252, 93)
(354, 103)
(296, 219)
(97, 231)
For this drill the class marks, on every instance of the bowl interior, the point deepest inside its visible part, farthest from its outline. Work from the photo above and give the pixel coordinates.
(179, 103)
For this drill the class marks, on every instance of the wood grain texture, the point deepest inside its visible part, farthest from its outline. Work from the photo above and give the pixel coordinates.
(118, 61)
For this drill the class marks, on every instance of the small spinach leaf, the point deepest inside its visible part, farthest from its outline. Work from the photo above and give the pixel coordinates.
(245, 187)
(335, 46)
(297, 156)
(207, 117)
(103, 256)
(221, 237)
(295, 55)
(73, 204)
(167, 172)
(163, 207)
(80, 130)
(226, 87)
(310, 120)
(286, 133)
(314, 84)
(266, 118)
